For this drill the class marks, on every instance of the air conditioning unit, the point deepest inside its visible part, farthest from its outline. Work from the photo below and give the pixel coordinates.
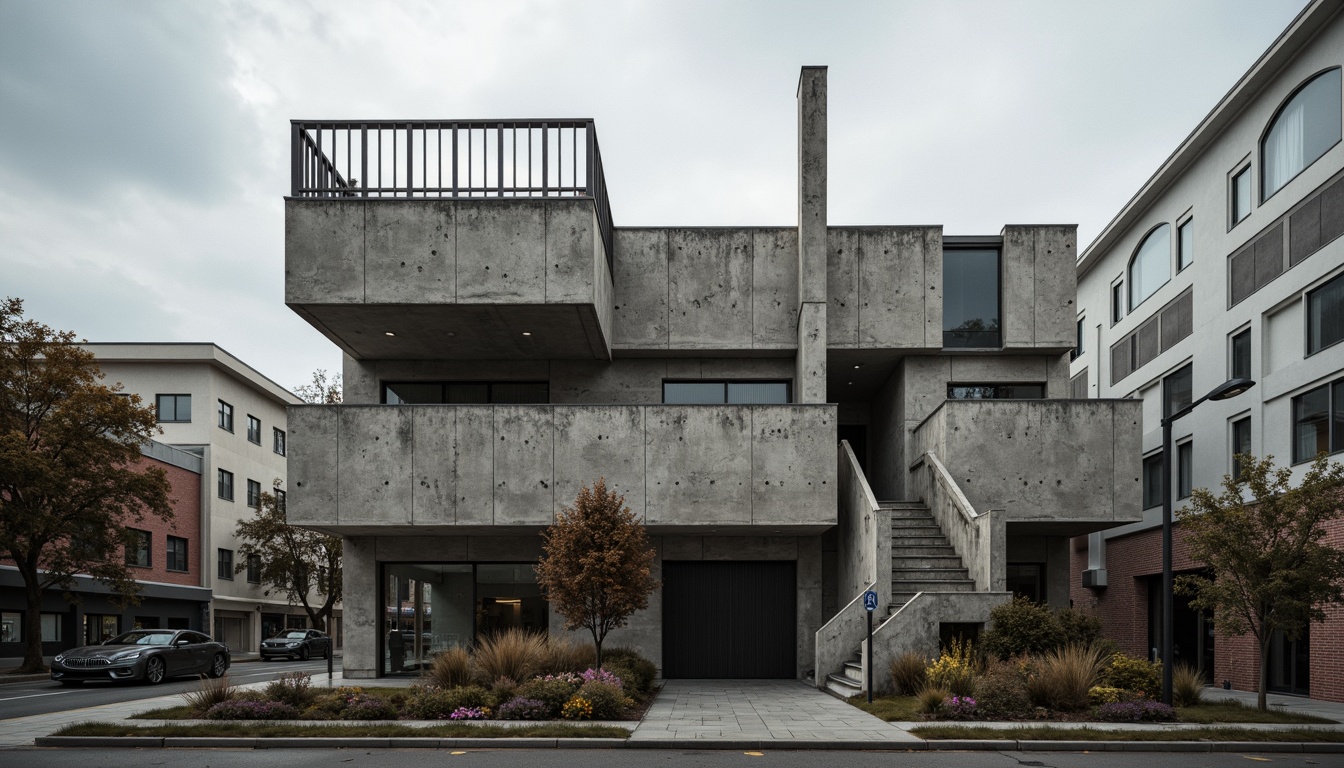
(1094, 578)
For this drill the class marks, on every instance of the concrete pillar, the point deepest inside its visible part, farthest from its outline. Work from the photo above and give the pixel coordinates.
(810, 373)
(361, 610)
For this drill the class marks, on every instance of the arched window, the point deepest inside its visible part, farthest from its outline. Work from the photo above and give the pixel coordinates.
(1305, 128)
(1151, 266)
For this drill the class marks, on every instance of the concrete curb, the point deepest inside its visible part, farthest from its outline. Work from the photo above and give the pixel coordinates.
(943, 745)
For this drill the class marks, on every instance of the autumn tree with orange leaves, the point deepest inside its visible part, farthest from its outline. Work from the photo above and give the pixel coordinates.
(597, 566)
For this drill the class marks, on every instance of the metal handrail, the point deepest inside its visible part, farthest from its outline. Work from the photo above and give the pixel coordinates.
(452, 159)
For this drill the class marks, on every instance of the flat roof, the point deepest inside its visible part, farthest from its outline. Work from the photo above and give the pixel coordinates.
(191, 352)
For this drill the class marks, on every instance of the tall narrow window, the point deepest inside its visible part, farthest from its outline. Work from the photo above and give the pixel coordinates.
(225, 570)
(1185, 460)
(254, 569)
(1185, 244)
(1241, 355)
(1150, 267)
(1305, 128)
(226, 485)
(1325, 315)
(1079, 334)
(1117, 302)
(1241, 195)
(137, 553)
(1177, 390)
(278, 440)
(971, 298)
(225, 416)
(253, 429)
(1241, 443)
(1311, 424)
(253, 494)
(177, 553)
(1152, 481)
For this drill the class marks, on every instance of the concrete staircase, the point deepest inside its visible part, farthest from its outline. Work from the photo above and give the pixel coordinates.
(922, 560)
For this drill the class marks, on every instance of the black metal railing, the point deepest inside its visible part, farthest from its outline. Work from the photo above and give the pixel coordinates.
(475, 159)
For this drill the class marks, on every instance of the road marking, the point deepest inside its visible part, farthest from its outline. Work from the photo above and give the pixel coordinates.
(35, 695)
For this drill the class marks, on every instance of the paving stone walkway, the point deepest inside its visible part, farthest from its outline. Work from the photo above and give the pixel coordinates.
(758, 709)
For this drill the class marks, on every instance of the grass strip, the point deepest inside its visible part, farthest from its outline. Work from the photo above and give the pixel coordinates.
(262, 730)
(1236, 712)
(1049, 733)
(898, 709)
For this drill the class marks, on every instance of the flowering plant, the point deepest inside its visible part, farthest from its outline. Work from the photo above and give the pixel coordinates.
(1141, 711)
(577, 708)
(470, 713)
(520, 708)
(601, 676)
(564, 677)
(252, 710)
(959, 708)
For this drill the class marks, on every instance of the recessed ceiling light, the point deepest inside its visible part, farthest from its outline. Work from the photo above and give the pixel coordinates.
(388, 333)
(851, 383)
(526, 333)
(857, 367)
(450, 333)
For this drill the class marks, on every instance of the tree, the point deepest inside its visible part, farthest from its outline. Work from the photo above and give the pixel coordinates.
(321, 390)
(70, 479)
(294, 561)
(1263, 540)
(597, 566)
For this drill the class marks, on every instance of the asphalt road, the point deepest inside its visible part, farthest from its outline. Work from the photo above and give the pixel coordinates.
(43, 696)
(622, 758)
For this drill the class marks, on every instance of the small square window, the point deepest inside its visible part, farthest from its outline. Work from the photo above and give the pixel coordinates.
(11, 627)
(225, 564)
(177, 554)
(173, 408)
(278, 441)
(226, 485)
(1241, 195)
(1185, 244)
(225, 416)
(253, 429)
(253, 494)
(52, 624)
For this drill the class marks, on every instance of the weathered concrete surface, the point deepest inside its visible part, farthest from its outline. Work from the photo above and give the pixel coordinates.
(812, 178)
(1062, 467)
(809, 382)
(774, 289)
(1038, 286)
(425, 269)
(914, 628)
(362, 617)
(978, 535)
(884, 287)
(389, 469)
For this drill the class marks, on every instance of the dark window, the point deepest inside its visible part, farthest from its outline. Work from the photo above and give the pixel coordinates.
(1303, 130)
(173, 408)
(177, 554)
(226, 564)
(11, 627)
(1185, 244)
(1117, 302)
(1241, 195)
(280, 500)
(253, 429)
(1152, 481)
(225, 416)
(995, 391)
(253, 494)
(1177, 390)
(720, 392)
(254, 569)
(1079, 334)
(1241, 443)
(1027, 580)
(278, 441)
(971, 298)
(226, 485)
(1241, 355)
(1185, 460)
(138, 553)
(466, 392)
(1150, 267)
(1325, 315)
(1318, 421)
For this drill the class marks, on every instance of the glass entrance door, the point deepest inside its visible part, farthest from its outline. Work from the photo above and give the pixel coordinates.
(1290, 664)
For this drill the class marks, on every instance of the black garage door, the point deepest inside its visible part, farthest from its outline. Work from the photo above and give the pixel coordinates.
(729, 620)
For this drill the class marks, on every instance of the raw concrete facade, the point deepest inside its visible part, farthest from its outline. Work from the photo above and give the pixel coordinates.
(1256, 275)
(845, 326)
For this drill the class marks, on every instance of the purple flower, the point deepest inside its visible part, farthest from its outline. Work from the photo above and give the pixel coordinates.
(601, 676)
(1136, 712)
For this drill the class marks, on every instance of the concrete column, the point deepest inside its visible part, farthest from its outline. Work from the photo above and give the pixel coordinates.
(360, 607)
(810, 374)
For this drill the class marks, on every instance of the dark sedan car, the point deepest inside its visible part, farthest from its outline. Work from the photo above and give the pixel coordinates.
(296, 644)
(152, 655)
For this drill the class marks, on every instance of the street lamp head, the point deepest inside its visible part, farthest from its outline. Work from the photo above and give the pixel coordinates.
(1231, 388)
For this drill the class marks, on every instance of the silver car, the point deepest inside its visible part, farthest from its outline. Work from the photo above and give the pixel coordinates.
(151, 655)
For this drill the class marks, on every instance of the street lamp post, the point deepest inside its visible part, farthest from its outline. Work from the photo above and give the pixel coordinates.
(1227, 389)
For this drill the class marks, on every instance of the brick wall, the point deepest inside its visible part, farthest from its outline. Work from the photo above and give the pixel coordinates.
(1122, 608)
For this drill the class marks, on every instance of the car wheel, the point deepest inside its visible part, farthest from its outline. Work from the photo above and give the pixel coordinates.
(154, 670)
(72, 683)
(303, 653)
(218, 666)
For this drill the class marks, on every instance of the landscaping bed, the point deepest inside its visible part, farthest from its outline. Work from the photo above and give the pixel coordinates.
(1048, 733)
(904, 709)
(289, 730)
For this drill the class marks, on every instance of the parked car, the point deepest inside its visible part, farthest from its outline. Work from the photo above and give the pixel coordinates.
(297, 644)
(151, 655)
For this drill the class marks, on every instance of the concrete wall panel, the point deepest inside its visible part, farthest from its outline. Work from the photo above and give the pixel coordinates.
(501, 252)
(1056, 286)
(710, 288)
(891, 288)
(374, 479)
(788, 483)
(312, 436)
(842, 286)
(362, 619)
(434, 435)
(410, 254)
(524, 465)
(1018, 287)
(774, 288)
(474, 466)
(698, 464)
(596, 442)
(570, 231)
(324, 253)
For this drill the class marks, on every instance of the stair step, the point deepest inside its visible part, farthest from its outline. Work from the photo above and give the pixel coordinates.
(916, 562)
(892, 504)
(928, 574)
(922, 550)
(843, 686)
(907, 531)
(910, 513)
(854, 671)
(911, 587)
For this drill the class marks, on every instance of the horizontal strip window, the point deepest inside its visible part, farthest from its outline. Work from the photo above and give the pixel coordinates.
(466, 393)
(702, 392)
(1159, 333)
(1312, 224)
(995, 391)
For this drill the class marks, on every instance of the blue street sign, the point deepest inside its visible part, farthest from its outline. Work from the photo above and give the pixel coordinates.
(870, 600)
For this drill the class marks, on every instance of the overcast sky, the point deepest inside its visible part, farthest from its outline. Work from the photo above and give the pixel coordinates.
(144, 145)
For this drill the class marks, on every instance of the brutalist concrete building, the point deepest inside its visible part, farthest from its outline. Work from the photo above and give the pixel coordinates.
(797, 414)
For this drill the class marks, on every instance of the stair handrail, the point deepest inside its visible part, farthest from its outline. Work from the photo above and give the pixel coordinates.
(978, 537)
(837, 638)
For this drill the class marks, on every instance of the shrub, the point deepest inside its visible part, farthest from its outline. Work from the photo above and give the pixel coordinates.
(514, 653)
(907, 673)
(326, 706)
(503, 689)
(1105, 694)
(1022, 627)
(293, 688)
(562, 654)
(211, 691)
(1187, 686)
(637, 672)
(251, 710)
(552, 691)
(1001, 691)
(469, 713)
(519, 708)
(959, 708)
(1078, 627)
(607, 700)
(601, 676)
(577, 708)
(362, 706)
(955, 669)
(1064, 677)
(451, 668)
(1136, 712)
(1142, 678)
(433, 703)
(931, 699)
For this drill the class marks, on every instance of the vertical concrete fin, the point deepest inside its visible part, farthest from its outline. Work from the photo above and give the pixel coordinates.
(810, 379)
